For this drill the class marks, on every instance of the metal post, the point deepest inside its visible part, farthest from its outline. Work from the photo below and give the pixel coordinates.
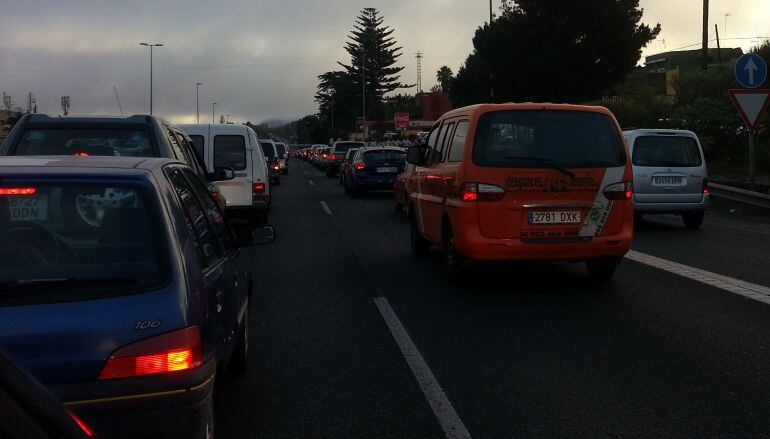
(197, 106)
(490, 12)
(751, 159)
(705, 44)
(213, 106)
(332, 112)
(151, 80)
(363, 87)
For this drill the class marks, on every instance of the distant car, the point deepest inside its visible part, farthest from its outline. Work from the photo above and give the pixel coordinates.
(283, 157)
(133, 136)
(346, 161)
(374, 169)
(322, 157)
(236, 147)
(123, 289)
(336, 154)
(669, 174)
(270, 151)
(29, 411)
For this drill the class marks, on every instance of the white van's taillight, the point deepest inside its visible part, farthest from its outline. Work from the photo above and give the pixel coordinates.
(258, 191)
(166, 353)
(481, 192)
(619, 191)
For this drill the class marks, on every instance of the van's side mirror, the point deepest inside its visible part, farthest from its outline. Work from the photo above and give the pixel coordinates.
(224, 173)
(247, 236)
(415, 155)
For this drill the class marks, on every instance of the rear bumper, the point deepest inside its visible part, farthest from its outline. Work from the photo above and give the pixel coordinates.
(257, 206)
(375, 182)
(472, 245)
(171, 406)
(655, 207)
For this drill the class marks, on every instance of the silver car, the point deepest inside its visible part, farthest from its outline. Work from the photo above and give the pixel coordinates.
(669, 174)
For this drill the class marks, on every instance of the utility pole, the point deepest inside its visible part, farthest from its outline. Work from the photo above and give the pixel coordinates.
(363, 88)
(705, 48)
(117, 98)
(725, 28)
(719, 46)
(332, 96)
(65, 104)
(418, 55)
(151, 45)
(490, 12)
(213, 106)
(197, 106)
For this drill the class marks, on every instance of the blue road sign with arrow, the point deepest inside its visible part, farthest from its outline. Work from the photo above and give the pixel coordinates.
(751, 70)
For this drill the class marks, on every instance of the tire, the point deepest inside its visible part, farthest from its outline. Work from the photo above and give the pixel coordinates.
(240, 359)
(602, 269)
(693, 220)
(420, 246)
(204, 430)
(454, 265)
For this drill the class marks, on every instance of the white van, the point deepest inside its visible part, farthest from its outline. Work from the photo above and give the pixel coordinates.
(236, 146)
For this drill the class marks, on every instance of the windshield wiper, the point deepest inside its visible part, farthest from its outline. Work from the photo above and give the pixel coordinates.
(69, 282)
(547, 162)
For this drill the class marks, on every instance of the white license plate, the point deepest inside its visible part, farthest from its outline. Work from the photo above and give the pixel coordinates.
(555, 217)
(387, 170)
(26, 208)
(668, 181)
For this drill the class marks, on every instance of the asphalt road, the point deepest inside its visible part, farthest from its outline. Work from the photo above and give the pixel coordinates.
(518, 350)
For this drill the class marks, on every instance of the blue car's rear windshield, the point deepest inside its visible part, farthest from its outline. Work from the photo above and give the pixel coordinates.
(384, 154)
(86, 141)
(64, 242)
(528, 138)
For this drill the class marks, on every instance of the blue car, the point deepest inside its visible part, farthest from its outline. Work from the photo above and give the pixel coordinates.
(374, 169)
(122, 289)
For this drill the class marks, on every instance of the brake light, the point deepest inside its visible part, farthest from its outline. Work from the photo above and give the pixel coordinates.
(360, 166)
(277, 167)
(18, 191)
(481, 192)
(259, 187)
(83, 426)
(334, 156)
(705, 186)
(166, 353)
(619, 191)
(81, 154)
(326, 156)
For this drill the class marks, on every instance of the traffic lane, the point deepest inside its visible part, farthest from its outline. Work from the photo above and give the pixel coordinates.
(323, 363)
(536, 349)
(731, 249)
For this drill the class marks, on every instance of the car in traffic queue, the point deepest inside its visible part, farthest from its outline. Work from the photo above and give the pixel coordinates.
(132, 136)
(270, 151)
(346, 161)
(401, 189)
(670, 174)
(236, 146)
(322, 158)
(374, 169)
(282, 152)
(337, 154)
(523, 182)
(123, 289)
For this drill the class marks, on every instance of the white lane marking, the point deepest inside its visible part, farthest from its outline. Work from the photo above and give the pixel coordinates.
(747, 289)
(325, 207)
(311, 182)
(442, 408)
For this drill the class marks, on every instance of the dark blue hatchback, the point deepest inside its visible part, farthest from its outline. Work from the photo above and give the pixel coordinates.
(123, 289)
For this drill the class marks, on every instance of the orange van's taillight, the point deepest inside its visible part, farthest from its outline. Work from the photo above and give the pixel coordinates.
(167, 353)
(481, 192)
(619, 191)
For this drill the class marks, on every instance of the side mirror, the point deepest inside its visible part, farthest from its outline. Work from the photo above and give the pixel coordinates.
(222, 174)
(415, 155)
(248, 237)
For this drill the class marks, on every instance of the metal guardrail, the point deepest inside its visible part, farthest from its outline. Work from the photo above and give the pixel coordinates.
(740, 195)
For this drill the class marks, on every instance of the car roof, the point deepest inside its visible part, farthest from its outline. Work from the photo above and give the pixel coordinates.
(85, 166)
(658, 132)
(220, 128)
(486, 108)
(45, 119)
(381, 148)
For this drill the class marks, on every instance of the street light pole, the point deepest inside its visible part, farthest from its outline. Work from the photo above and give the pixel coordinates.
(197, 106)
(363, 89)
(213, 106)
(151, 45)
(227, 118)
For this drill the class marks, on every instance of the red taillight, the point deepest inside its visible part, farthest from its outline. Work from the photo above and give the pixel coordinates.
(166, 353)
(705, 186)
(18, 191)
(277, 167)
(619, 191)
(481, 192)
(326, 156)
(360, 166)
(81, 154)
(259, 187)
(334, 156)
(82, 425)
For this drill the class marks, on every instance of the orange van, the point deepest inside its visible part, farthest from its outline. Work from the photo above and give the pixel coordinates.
(523, 182)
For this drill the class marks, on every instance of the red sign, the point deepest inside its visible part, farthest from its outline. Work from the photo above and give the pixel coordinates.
(751, 105)
(402, 121)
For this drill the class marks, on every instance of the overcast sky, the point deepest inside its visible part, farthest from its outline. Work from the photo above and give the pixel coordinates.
(258, 59)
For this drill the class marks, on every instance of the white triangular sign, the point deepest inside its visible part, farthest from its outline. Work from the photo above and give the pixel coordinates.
(751, 104)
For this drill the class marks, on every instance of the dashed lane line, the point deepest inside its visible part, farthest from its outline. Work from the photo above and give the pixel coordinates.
(325, 207)
(742, 288)
(445, 413)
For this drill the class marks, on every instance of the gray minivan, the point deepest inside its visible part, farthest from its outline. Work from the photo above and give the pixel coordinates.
(669, 174)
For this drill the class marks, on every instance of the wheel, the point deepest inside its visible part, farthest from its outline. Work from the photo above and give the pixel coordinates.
(693, 220)
(420, 246)
(240, 359)
(454, 265)
(603, 268)
(204, 429)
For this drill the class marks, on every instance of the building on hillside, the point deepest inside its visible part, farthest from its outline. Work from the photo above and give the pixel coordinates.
(661, 71)
(434, 104)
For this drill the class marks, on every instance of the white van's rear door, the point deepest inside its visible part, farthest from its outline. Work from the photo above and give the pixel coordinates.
(231, 150)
